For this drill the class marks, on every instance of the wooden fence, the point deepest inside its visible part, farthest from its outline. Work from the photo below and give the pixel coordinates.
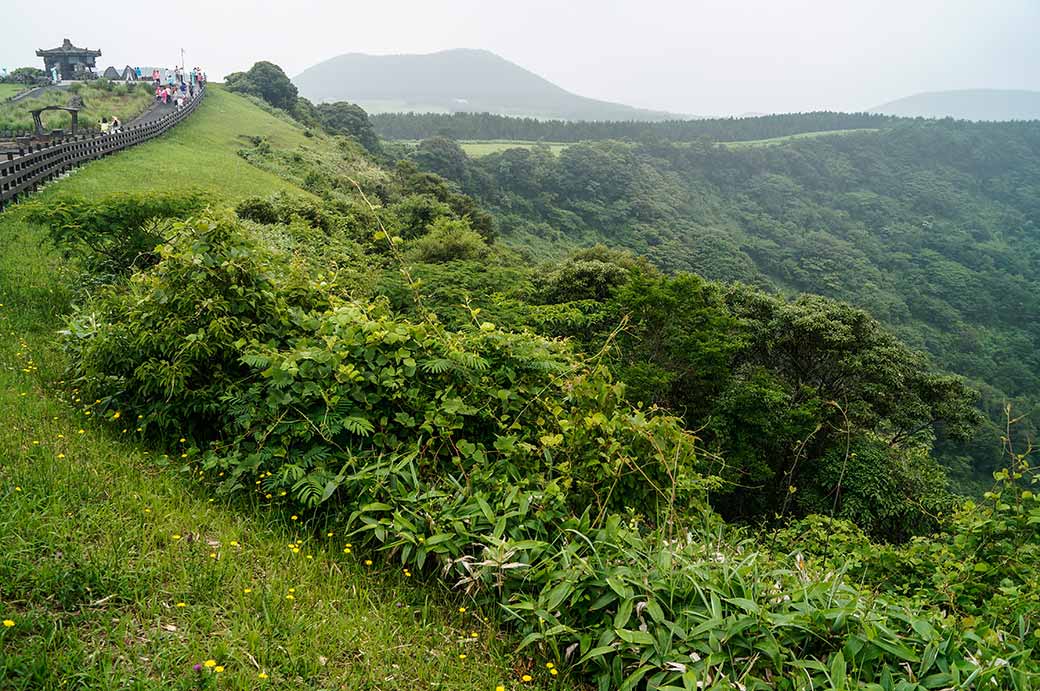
(23, 171)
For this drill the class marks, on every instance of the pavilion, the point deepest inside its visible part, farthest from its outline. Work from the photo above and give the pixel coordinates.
(72, 62)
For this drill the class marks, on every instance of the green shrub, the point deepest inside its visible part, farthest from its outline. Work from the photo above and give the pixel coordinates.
(449, 240)
(167, 344)
(111, 235)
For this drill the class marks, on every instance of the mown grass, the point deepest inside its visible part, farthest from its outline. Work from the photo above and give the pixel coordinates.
(751, 143)
(121, 570)
(200, 153)
(98, 103)
(476, 149)
(9, 90)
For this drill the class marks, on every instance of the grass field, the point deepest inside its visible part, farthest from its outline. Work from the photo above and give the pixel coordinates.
(99, 103)
(121, 571)
(476, 149)
(751, 143)
(9, 90)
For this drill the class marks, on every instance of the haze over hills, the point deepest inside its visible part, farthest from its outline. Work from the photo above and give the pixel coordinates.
(967, 104)
(459, 80)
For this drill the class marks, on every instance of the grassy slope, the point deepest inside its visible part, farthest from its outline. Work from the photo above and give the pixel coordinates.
(92, 575)
(200, 153)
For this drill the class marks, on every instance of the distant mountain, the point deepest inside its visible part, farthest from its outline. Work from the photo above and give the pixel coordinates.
(969, 104)
(453, 81)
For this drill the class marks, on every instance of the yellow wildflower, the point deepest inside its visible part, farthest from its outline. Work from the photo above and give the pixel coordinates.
(262, 675)
(8, 623)
(526, 678)
(218, 669)
(210, 663)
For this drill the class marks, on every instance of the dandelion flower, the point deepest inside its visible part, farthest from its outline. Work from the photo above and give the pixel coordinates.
(294, 517)
(61, 455)
(500, 688)
(462, 610)
(218, 669)
(176, 536)
(290, 596)
(292, 590)
(526, 678)
(368, 562)
(462, 656)
(295, 550)
(233, 543)
(182, 440)
(212, 555)
(83, 431)
(8, 623)
(553, 672)
(262, 675)
(328, 535)
(181, 604)
(549, 665)
(210, 663)
(116, 415)
(247, 590)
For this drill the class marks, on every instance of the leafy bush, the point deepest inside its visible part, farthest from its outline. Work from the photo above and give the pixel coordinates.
(112, 234)
(449, 240)
(167, 344)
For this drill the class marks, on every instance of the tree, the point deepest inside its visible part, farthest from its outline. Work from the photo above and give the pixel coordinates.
(25, 75)
(265, 80)
(351, 120)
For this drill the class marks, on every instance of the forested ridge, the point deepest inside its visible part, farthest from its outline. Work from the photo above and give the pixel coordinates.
(932, 226)
(612, 395)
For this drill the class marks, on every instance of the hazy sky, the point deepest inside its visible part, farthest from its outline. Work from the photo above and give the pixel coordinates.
(690, 56)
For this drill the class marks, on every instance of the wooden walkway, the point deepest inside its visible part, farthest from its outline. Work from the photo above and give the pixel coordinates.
(24, 171)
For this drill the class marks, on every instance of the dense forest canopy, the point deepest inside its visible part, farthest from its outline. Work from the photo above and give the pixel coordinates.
(415, 126)
(932, 226)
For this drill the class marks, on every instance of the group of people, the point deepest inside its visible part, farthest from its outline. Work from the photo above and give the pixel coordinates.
(180, 86)
(110, 126)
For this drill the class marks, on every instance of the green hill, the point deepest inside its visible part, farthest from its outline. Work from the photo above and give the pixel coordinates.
(967, 104)
(453, 81)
